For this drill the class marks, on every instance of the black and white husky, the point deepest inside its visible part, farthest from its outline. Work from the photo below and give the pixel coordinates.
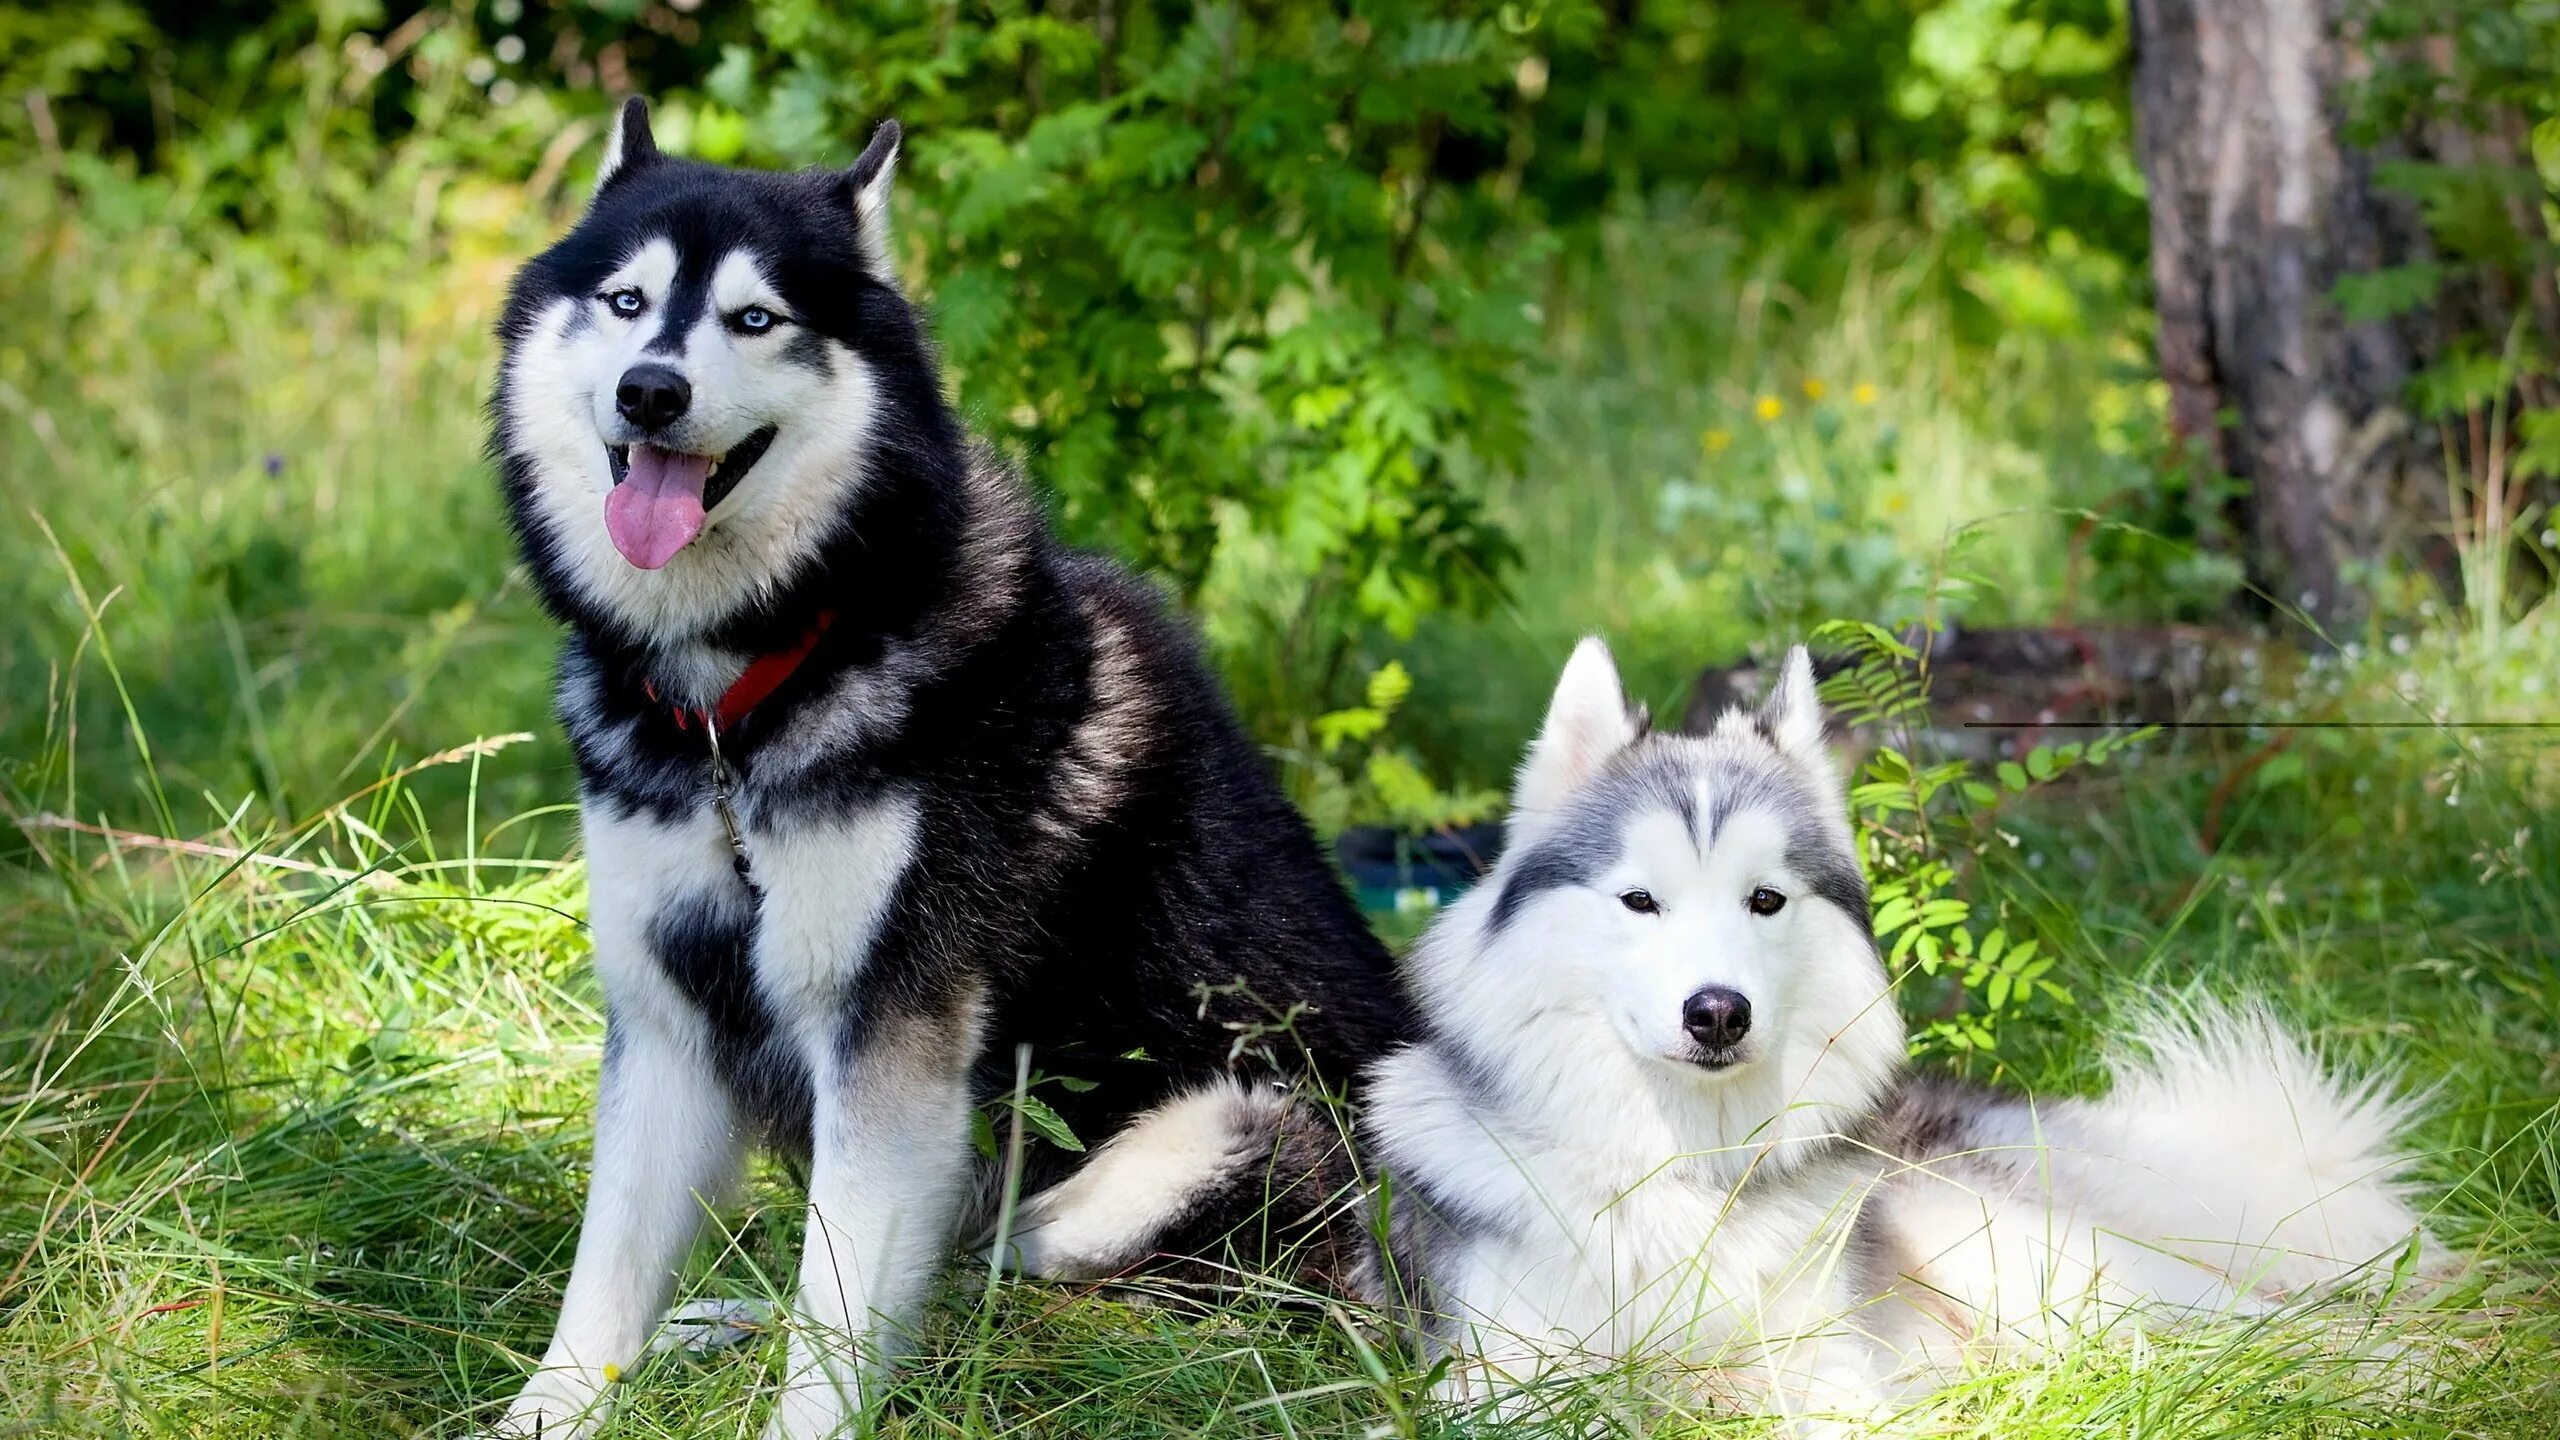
(1661, 1109)
(879, 785)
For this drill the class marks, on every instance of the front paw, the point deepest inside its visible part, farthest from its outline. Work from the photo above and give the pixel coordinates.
(828, 1391)
(812, 1409)
(558, 1403)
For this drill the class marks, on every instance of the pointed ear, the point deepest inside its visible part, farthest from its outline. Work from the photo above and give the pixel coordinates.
(1792, 716)
(1587, 722)
(630, 147)
(868, 185)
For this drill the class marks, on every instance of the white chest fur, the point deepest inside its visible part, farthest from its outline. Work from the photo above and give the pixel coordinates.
(1671, 1267)
(825, 886)
(1573, 1251)
(639, 870)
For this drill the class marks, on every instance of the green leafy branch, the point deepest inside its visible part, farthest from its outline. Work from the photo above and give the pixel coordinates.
(1355, 776)
(1923, 827)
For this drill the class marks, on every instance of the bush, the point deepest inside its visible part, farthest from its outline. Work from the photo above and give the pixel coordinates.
(1200, 268)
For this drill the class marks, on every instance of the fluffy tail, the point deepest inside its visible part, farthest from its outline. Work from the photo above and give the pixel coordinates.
(1224, 1174)
(2226, 1142)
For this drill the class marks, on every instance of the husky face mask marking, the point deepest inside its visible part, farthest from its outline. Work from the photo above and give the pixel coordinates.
(1699, 890)
(1692, 966)
(692, 382)
(700, 364)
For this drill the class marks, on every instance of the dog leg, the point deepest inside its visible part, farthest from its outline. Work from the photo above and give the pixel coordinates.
(888, 1169)
(666, 1142)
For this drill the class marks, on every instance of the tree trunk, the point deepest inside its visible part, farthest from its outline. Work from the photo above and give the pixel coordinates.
(2257, 208)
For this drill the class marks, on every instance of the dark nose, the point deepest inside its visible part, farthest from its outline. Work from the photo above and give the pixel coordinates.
(1716, 1017)
(653, 397)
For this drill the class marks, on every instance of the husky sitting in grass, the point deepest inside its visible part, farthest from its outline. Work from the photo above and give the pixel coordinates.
(881, 788)
(1662, 1109)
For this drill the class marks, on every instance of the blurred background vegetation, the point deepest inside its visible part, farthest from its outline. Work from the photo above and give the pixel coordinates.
(1404, 341)
(1426, 332)
(1419, 331)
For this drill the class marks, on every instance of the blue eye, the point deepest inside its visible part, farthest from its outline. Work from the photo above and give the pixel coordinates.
(626, 303)
(755, 319)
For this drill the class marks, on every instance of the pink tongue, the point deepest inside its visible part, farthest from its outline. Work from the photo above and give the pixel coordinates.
(657, 509)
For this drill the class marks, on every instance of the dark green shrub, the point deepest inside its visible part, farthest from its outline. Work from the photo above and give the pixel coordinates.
(1200, 267)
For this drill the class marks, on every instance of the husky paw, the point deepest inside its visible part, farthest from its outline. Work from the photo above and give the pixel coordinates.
(814, 1410)
(556, 1404)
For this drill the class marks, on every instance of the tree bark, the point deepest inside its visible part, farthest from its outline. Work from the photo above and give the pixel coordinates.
(2258, 207)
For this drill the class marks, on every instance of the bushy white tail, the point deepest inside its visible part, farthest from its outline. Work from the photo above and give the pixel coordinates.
(2234, 1147)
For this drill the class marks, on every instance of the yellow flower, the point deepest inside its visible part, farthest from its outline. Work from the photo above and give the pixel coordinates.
(1770, 407)
(613, 1374)
(1814, 390)
(1896, 503)
(1865, 393)
(1715, 441)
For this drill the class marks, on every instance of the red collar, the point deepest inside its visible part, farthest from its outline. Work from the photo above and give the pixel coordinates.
(763, 675)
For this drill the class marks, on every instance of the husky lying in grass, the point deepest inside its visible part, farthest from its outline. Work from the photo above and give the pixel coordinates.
(1662, 1109)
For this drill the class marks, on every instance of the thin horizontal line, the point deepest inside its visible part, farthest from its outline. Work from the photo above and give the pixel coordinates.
(2262, 724)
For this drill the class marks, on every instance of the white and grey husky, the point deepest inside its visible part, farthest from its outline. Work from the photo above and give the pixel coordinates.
(1662, 1109)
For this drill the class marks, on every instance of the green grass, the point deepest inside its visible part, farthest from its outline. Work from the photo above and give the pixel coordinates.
(292, 1123)
(295, 1154)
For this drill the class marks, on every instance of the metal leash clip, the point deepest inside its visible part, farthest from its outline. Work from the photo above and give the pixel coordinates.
(720, 792)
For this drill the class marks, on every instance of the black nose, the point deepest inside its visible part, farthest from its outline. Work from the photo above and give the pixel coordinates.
(1716, 1017)
(653, 397)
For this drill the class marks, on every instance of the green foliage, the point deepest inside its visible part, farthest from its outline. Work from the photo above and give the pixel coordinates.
(1820, 540)
(2538, 455)
(1356, 777)
(2390, 292)
(2462, 101)
(2004, 121)
(218, 93)
(2031, 97)
(1202, 267)
(1023, 1106)
(1259, 293)
(1923, 826)
(238, 435)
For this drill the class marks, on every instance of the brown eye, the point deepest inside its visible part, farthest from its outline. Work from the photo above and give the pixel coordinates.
(1765, 901)
(1641, 902)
